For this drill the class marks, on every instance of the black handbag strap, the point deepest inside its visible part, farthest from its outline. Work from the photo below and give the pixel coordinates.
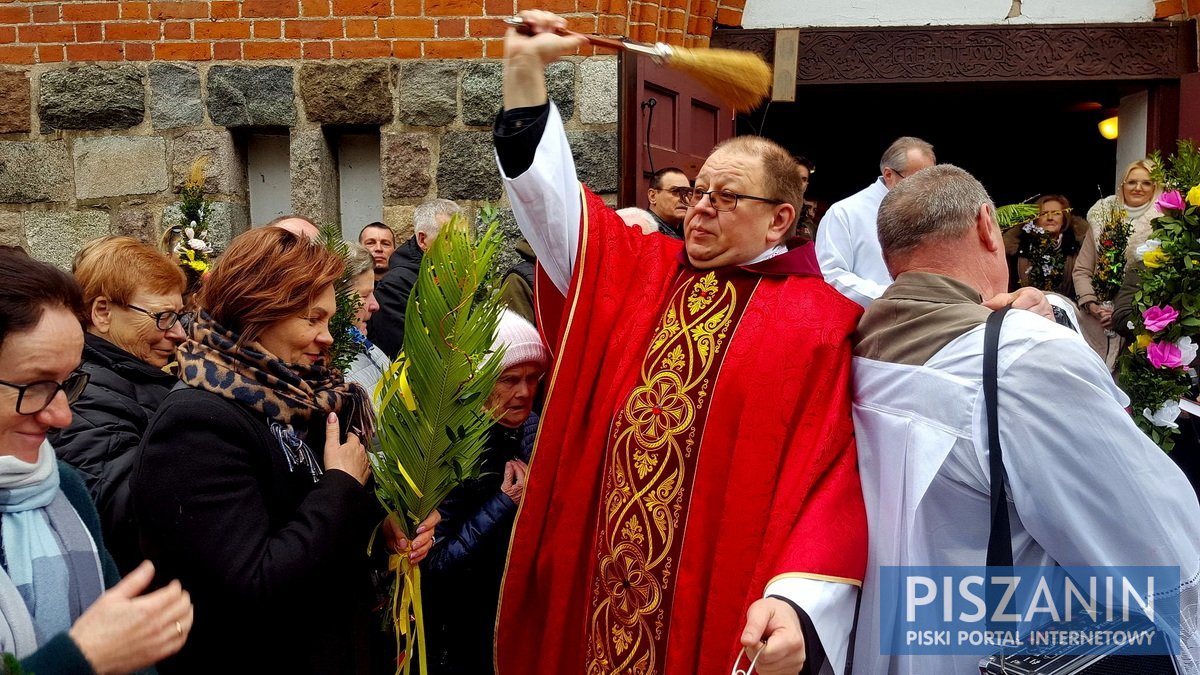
(999, 550)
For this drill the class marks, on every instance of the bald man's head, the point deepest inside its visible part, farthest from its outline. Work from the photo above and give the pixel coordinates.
(297, 225)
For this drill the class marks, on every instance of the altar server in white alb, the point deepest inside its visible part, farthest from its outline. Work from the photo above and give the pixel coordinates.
(1085, 486)
(847, 245)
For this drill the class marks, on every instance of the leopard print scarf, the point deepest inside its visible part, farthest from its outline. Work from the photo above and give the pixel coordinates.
(287, 393)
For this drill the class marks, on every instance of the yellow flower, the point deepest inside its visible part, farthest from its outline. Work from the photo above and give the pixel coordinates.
(1193, 196)
(1156, 258)
(1144, 340)
(196, 176)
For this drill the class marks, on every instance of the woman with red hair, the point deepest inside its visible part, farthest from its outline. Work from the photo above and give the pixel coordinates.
(251, 484)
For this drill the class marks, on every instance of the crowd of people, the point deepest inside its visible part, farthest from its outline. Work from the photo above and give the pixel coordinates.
(742, 426)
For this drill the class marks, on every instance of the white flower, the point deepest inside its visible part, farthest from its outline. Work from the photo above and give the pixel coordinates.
(190, 232)
(199, 245)
(1130, 326)
(1187, 349)
(1164, 416)
(1150, 245)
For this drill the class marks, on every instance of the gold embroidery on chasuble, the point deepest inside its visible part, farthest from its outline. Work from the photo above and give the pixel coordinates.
(648, 474)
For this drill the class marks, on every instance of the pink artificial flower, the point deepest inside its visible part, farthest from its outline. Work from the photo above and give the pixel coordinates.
(1158, 318)
(1171, 200)
(1164, 355)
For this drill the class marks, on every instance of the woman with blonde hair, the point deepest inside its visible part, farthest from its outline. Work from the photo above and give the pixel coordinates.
(133, 320)
(1135, 200)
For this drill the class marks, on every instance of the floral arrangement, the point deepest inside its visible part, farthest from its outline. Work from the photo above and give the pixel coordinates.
(1046, 258)
(432, 425)
(1156, 371)
(1110, 252)
(190, 236)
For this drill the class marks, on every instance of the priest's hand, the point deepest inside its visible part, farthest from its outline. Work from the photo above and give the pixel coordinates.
(775, 622)
(526, 56)
(1030, 299)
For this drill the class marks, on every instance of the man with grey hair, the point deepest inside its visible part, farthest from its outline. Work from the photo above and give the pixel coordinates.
(386, 328)
(847, 245)
(1086, 487)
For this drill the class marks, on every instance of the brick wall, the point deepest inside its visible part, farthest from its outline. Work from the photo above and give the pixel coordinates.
(224, 30)
(1176, 9)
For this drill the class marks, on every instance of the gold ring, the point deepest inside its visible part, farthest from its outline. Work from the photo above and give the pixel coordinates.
(179, 628)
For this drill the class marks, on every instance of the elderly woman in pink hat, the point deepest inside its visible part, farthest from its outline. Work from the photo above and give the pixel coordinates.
(461, 576)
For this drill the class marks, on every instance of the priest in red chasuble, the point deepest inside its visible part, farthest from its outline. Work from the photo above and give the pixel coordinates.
(693, 490)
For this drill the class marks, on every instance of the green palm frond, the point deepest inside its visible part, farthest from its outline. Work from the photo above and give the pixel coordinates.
(1015, 214)
(344, 348)
(432, 423)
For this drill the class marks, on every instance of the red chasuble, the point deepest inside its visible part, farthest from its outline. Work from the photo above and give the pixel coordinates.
(696, 444)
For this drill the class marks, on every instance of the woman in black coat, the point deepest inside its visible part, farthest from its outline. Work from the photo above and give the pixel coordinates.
(132, 309)
(462, 576)
(251, 482)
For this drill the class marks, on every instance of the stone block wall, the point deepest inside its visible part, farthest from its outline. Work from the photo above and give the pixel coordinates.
(93, 149)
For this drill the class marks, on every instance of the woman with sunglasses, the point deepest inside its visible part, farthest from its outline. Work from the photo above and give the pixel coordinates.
(55, 615)
(133, 302)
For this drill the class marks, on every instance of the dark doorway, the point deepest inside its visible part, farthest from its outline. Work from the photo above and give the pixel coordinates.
(1019, 139)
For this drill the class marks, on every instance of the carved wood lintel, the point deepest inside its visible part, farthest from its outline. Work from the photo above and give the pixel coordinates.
(1144, 51)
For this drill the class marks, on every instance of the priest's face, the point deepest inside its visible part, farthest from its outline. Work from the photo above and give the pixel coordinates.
(732, 231)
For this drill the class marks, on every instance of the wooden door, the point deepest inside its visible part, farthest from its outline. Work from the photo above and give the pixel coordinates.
(684, 121)
(1189, 107)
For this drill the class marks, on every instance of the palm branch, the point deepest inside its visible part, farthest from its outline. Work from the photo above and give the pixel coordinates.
(1015, 214)
(432, 425)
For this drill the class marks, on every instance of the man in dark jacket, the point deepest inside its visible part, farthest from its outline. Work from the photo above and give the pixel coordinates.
(386, 327)
(517, 291)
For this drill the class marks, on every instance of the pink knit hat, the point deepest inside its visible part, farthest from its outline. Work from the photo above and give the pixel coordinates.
(521, 342)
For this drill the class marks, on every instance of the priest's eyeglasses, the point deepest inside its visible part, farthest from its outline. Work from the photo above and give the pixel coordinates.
(34, 397)
(721, 200)
(163, 320)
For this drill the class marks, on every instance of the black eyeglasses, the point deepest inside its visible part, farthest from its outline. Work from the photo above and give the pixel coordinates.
(33, 398)
(681, 193)
(163, 320)
(721, 200)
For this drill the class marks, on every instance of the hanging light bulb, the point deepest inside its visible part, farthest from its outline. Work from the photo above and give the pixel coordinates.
(1108, 128)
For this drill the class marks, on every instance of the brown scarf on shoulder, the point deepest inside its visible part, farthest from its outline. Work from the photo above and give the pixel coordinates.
(290, 394)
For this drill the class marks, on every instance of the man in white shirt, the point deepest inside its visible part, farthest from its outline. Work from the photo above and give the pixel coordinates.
(1086, 487)
(847, 243)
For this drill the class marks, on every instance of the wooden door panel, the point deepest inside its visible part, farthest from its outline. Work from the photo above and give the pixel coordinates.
(685, 122)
